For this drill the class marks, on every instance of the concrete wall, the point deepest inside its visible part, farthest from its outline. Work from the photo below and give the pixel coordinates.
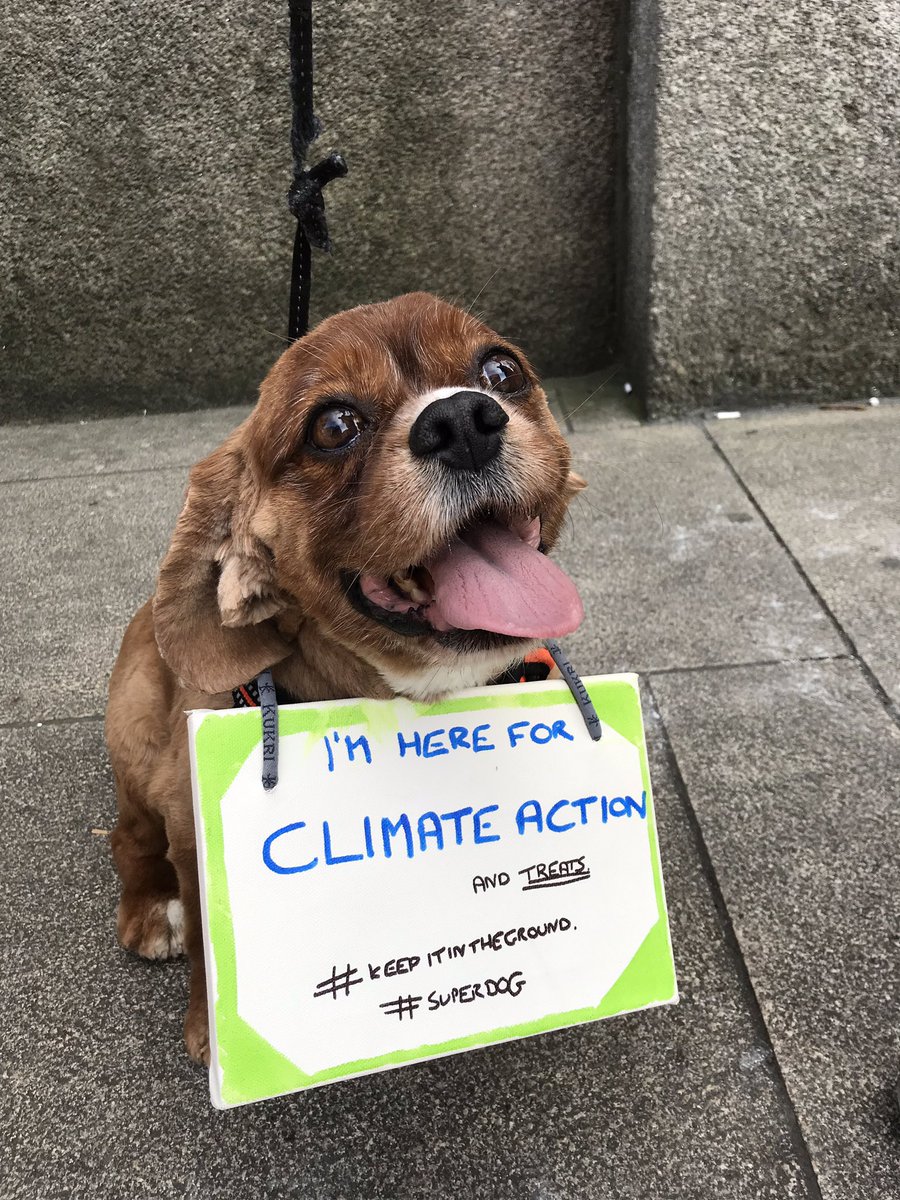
(762, 193)
(144, 160)
(755, 255)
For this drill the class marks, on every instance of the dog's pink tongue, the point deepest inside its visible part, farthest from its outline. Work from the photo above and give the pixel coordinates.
(491, 579)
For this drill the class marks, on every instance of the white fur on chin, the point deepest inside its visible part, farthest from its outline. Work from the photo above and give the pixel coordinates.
(469, 671)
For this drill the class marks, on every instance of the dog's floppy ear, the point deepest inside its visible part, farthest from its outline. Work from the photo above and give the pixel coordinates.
(216, 587)
(574, 484)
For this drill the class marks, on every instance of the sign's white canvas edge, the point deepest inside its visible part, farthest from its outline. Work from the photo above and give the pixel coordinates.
(195, 719)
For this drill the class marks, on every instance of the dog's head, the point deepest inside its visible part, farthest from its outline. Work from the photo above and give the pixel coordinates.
(396, 484)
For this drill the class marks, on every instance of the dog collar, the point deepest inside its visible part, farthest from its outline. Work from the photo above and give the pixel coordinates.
(533, 668)
(263, 693)
(248, 694)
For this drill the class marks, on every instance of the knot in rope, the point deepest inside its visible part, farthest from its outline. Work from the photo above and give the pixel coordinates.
(306, 202)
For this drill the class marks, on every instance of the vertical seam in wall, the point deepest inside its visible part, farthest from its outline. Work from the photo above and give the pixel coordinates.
(620, 210)
(638, 41)
(745, 981)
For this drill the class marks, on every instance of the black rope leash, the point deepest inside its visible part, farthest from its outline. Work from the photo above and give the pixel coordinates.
(305, 199)
(307, 204)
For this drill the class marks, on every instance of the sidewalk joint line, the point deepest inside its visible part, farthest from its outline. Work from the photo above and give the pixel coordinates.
(96, 474)
(650, 672)
(733, 946)
(34, 722)
(871, 678)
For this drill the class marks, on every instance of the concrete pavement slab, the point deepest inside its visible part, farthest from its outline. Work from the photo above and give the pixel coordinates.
(675, 567)
(830, 484)
(79, 558)
(43, 451)
(794, 773)
(99, 1099)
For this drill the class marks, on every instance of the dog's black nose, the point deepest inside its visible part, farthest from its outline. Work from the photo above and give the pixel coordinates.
(462, 431)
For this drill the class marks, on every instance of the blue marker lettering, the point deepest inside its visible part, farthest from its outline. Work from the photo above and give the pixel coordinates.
(530, 814)
(478, 742)
(415, 744)
(361, 743)
(333, 859)
(270, 861)
(389, 828)
(552, 813)
(436, 831)
(433, 749)
(481, 826)
(624, 806)
(582, 804)
(513, 737)
(456, 818)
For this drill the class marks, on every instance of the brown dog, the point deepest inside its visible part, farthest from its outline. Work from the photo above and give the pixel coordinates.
(373, 528)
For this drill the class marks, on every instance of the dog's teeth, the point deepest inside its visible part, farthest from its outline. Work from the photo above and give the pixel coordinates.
(528, 529)
(409, 587)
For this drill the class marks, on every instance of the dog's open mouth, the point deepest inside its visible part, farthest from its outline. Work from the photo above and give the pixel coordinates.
(492, 577)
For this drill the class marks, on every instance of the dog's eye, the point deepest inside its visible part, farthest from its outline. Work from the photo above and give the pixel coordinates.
(334, 428)
(501, 373)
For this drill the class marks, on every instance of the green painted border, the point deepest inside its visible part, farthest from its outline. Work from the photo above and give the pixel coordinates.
(252, 1069)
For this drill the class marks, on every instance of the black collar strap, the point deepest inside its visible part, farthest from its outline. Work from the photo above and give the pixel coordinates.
(248, 694)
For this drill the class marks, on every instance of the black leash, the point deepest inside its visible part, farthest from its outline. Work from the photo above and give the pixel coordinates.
(305, 199)
(306, 202)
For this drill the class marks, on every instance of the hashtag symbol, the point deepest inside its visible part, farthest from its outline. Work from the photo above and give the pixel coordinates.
(403, 1006)
(338, 981)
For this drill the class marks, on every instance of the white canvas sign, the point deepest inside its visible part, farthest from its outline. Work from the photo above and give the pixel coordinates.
(423, 879)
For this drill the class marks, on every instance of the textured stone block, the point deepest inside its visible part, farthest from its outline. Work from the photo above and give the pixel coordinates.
(764, 260)
(147, 242)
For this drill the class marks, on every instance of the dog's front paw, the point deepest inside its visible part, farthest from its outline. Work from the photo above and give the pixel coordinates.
(196, 1035)
(151, 927)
